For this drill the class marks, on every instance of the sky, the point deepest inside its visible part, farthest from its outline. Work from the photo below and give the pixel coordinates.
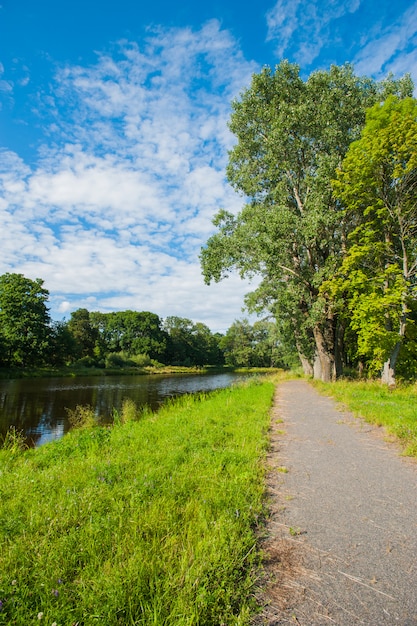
(114, 134)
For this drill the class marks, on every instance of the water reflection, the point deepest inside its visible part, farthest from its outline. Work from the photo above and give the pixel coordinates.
(39, 407)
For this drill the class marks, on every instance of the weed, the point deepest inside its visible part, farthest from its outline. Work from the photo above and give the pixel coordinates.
(82, 416)
(14, 440)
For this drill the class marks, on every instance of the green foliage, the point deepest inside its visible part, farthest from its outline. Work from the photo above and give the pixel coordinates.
(190, 343)
(117, 359)
(24, 320)
(131, 332)
(83, 332)
(291, 136)
(152, 522)
(245, 345)
(377, 183)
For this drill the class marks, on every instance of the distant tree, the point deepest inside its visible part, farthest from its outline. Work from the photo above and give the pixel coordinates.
(83, 332)
(62, 346)
(259, 345)
(206, 346)
(24, 320)
(131, 332)
(143, 334)
(237, 344)
(190, 343)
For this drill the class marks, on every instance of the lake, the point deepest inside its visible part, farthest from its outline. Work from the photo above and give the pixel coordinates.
(39, 406)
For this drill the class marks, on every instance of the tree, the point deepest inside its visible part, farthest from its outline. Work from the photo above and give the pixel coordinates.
(131, 332)
(24, 320)
(259, 345)
(62, 346)
(291, 137)
(237, 344)
(377, 184)
(84, 333)
(191, 344)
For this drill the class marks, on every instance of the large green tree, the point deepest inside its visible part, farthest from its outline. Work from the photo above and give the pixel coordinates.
(24, 320)
(292, 134)
(377, 185)
(131, 332)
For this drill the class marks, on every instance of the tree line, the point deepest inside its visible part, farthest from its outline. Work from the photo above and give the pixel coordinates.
(30, 338)
(327, 167)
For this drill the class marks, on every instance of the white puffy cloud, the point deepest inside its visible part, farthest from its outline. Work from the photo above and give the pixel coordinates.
(120, 201)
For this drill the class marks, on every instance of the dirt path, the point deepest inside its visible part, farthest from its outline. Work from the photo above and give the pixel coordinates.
(342, 538)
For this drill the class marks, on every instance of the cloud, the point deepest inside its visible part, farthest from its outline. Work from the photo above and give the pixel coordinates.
(300, 29)
(390, 47)
(120, 201)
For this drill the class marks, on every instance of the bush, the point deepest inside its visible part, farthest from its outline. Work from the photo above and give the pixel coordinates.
(141, 360)
(86, 361)
(115, 359)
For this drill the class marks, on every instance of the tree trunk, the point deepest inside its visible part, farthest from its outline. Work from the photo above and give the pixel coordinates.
(388, 370)
(325, 368)
(339, 352)
(305, 364)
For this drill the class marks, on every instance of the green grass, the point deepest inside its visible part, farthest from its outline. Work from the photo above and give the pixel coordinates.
(396, 409)
(77, 371)
(153, 521)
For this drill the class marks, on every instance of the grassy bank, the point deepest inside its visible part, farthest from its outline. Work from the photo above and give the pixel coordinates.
(75, 371)
(395, 409)
(150, 522)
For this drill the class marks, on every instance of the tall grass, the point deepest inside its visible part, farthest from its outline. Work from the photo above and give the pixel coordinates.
(395, 409)
(148, 522)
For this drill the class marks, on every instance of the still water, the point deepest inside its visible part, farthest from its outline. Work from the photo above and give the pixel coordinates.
(39, 406)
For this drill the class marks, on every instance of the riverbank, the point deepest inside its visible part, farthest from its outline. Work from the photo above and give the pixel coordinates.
(76, 371)
(152, 521)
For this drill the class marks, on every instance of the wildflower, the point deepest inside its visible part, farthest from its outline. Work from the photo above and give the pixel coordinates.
(54, 624)
(1, 605)
(14, 582)
(40, 615)
(55, 592)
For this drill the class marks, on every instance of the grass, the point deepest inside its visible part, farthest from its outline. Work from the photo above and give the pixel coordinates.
(77, 371)
(153, 521)
(395, 410)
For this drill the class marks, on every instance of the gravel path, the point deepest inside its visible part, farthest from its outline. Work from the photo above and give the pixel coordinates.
(342, 538)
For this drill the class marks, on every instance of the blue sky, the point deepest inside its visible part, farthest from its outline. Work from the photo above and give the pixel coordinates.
(114, 139)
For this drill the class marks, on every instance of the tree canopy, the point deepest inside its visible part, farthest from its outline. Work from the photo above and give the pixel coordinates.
(377, 184)
(292, 135)
(24, 320)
